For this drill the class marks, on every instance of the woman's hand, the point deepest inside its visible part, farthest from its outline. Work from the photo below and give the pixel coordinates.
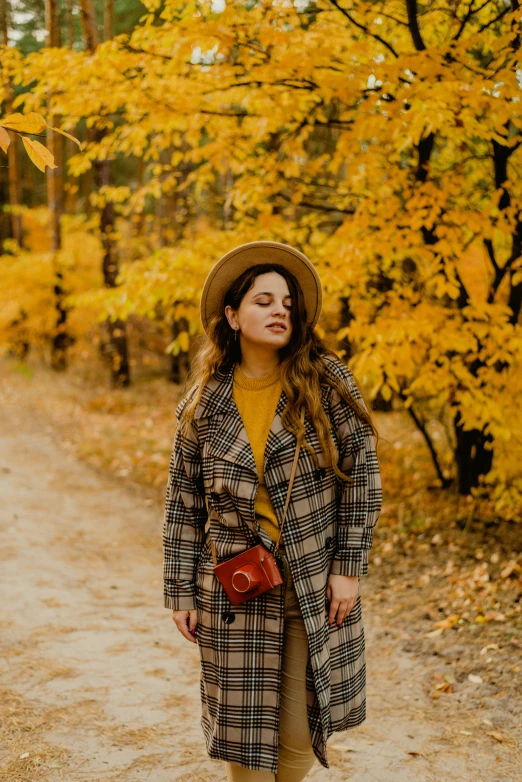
(185, 622)
(341, 592)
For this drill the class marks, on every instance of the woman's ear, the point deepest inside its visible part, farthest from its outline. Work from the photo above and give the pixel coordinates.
(231, 317)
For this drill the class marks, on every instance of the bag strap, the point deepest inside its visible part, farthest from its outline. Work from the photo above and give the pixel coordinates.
(212, 544)
(287, 502)
(290, 484)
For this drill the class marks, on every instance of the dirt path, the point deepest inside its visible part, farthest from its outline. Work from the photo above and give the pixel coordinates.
(98, 685)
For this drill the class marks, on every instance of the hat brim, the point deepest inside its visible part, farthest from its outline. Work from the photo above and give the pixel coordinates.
(243, 257)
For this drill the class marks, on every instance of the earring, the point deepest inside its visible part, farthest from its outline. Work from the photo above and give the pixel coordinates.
(235, 334)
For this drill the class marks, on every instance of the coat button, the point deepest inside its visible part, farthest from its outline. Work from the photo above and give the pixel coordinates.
(328, 542)
(214, 495)
(228, 617)
(319, 473)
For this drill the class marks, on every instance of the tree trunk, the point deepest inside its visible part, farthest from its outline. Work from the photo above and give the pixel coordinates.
(108, 20)
(69, 23)
(61, 339)
(179, 365)
(472, 458)
(173, 212)
(4, 22)
(86, 182)
(13, 173)
(89, 29)
(117, 347)
(70, 198)
(140, 177)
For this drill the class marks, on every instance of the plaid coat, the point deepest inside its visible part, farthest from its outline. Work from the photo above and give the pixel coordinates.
(328, 529)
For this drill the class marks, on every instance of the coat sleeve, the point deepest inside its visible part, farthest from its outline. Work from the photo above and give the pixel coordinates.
(360, 502)
(184, 520)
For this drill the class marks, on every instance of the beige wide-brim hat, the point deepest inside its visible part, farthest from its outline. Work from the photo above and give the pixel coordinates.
(236, 261)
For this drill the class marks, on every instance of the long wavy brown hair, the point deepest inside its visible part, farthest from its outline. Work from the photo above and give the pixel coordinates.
(302, 368)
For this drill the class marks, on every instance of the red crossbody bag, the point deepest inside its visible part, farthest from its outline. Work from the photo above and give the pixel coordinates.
(254, 571)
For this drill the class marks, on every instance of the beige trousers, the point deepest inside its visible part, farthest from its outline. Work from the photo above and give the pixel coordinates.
(296, 756)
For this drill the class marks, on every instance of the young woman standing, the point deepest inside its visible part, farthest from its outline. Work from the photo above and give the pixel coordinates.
(284, 670)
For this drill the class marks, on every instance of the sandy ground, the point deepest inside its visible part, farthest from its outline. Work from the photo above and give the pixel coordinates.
(97, 684)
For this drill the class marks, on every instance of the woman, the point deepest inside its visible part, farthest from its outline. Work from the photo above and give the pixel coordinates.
(284, 670)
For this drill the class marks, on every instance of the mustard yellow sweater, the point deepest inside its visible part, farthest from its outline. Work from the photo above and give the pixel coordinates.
(256, 399)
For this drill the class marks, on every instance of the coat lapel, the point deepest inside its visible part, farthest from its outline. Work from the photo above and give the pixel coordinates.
(230, 440)
(278, 437)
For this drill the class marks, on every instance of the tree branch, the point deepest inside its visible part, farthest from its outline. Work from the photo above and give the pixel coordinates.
(317, 207)
(421, 426)
(468, 16)
(488, 243)
(413, 24)
(364, 28)
(308, 85)
(493, 21)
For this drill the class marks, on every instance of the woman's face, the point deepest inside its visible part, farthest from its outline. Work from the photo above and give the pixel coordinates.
(267, 302)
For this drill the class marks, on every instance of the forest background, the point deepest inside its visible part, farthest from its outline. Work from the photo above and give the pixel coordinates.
(381, 138)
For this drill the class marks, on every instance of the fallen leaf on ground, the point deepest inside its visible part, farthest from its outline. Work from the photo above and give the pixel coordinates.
(510, 567)
(495, 616)
(447, 623)
(444, 687)
(434, 633)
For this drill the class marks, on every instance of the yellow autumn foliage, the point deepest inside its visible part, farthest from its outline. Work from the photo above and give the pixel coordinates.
(387, 148)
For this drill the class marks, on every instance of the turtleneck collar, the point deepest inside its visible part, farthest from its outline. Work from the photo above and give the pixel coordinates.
(252, 383)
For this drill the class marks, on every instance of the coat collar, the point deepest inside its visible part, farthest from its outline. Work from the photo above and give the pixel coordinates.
(217, 393)
(230, 440)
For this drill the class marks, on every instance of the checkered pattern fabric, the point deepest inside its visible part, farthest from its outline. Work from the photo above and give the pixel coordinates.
(328, 529)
